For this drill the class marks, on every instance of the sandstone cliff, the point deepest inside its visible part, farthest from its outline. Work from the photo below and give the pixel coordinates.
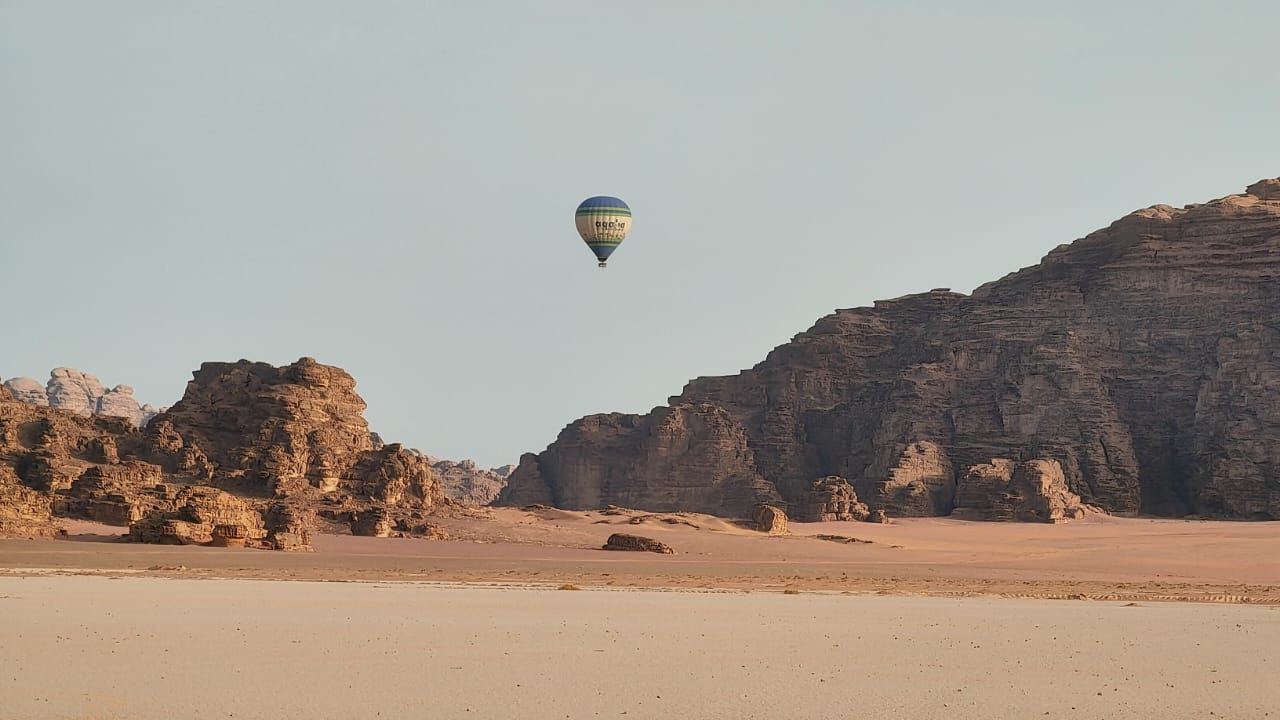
(1142, 359)
(690, 457)
(281, 444)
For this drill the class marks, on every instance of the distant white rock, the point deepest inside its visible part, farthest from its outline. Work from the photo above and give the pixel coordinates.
(83, 394)
(28, 390)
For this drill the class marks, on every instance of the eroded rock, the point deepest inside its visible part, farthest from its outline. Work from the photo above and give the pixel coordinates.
(831, 498)
(637, 543)
(1032, 491)
(1143, 358)
(192, 516)
(770, 519)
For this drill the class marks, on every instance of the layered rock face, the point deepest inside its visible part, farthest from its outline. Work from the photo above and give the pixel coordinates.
(692, 457)
(250, 456)
(201, 514)
(830, 499)
(1142, 359)
(82, 394)
(24, 512)
(296, 430)
(468, 483)
(1032, 491)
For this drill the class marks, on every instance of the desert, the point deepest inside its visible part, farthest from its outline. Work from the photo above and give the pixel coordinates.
(522, 614)
(941, 506)
(578, 359)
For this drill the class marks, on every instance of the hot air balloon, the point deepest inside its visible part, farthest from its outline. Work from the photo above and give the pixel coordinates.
(603, 222)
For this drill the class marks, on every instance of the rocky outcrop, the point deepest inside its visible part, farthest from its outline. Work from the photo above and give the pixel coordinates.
(830, 499)
(83, 394)
(289, 527)
(250, 456)
(24, 513)
(691, 457)
(116, 494)
(769, 519)
(920, 483)
(1143, 358)
(636, 543)
(1032, 491)
(374, 522)
(467, 483)
(28, 390)
(292, 431)
(195, 515)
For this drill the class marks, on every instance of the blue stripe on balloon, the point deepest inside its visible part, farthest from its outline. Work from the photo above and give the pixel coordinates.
(602, 251)
(601, 201)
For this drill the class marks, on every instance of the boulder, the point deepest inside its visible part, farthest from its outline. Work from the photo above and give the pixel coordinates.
(770, 519)
(636, 543)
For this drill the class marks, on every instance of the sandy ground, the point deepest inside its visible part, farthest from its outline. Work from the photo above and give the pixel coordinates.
(1099, 558)
(930, 618)
(142, 648)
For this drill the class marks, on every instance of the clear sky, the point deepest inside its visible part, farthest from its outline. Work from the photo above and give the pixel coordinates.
(389, 186)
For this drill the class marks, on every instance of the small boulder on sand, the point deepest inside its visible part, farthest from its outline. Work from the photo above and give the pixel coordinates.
(623, 541)
(770, 519)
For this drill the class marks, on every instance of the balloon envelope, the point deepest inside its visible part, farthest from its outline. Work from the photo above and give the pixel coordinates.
(603, 222)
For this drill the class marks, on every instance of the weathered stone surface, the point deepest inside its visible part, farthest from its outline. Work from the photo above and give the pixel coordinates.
(289, 527)
(292, 431)
(468, 483)
(24, 512)
(117, 494)
(770, 519)
(1032, 491)
(229, 535)
(920, 484)
(374, 522)
(28, 390)
(1144, 358)
(194, 514)
(830, 499)
(691, 457)
(280, 442)
(78, 392)
(637, 543)
(981, 484)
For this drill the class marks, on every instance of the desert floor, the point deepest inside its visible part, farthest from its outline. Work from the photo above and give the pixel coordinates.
(1098, 558)
(142, 648)
(932, 618)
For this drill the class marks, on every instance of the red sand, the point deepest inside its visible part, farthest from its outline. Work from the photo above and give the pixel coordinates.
(1097, 558)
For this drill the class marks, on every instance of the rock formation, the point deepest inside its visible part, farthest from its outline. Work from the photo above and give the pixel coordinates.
(24, 513)
(830, 499)
(82, 394)
(27, 390)
(689, 457)
(250, 456)
(770, 519)
(467, 483)
(1144, 359)
(296, 430)
(1032, 491)
(197, 513)
(636, 543)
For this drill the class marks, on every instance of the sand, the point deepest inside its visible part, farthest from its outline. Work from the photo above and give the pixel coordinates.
(138, 648)
(929, 618)
(1101, 558)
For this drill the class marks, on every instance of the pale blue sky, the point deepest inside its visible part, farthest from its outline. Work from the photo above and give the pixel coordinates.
(389, 186)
